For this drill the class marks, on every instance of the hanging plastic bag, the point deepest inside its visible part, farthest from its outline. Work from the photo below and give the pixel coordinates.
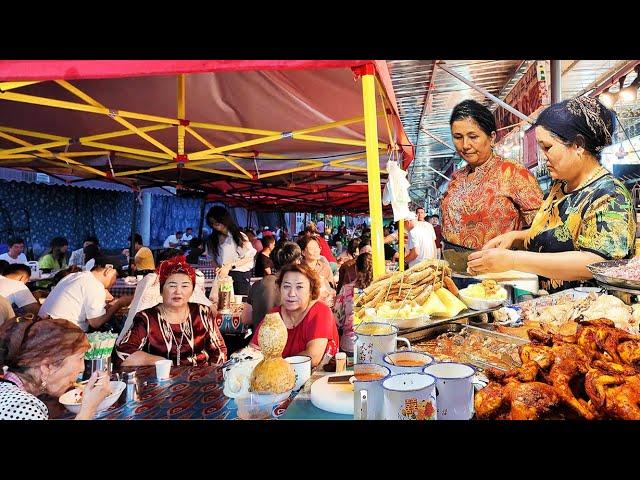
(396, 191)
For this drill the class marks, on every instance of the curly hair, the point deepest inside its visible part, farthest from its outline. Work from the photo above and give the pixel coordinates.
(27, 343)
(312, 276)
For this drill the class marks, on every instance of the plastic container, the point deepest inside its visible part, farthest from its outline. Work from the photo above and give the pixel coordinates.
(480, 303)
(73, 401)
(259, 406)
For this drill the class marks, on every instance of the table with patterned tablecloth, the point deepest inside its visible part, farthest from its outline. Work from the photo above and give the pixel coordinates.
(190, 393)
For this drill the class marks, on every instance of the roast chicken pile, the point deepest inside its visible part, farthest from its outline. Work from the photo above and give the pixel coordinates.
(593, 374)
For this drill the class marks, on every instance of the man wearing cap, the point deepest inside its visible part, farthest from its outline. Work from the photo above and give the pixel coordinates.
(81, 297)
(422, 240)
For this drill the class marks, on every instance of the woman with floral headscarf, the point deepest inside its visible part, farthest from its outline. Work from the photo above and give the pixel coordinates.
(177, 329)
(587, 216)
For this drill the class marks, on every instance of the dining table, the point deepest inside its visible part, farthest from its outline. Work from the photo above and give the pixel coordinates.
(193, 393)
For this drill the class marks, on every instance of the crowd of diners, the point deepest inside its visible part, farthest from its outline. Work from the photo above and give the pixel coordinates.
(493, 209)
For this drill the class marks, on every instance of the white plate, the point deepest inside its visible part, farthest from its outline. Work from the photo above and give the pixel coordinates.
(333, 397)
(479, 303)
(69, 399)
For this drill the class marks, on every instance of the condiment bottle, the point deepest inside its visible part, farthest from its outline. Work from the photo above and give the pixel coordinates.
(133, 393)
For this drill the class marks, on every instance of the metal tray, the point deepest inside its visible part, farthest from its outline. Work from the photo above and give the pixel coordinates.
(597, 270)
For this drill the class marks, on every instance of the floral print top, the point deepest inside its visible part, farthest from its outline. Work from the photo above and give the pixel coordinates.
(501, 196)
(597, 218)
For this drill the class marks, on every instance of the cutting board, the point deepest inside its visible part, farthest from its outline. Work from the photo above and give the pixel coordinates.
(333, 397)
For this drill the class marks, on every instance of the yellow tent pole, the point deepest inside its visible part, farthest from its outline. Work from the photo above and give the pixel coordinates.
(311, 165)
(211, 170)
(123, 133)
(401, 245)
(115, 115)
(233, 146)
(4, 86)
(51, 102)
(40, 146)
(341, 141)
(159, 168)
(208, 144)
(29, 133)
(182, 109)
(53, 155)
(135, 151)
(59, 157)
(373, 169)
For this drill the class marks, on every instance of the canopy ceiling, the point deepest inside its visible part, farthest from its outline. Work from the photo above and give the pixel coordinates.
(201, 126)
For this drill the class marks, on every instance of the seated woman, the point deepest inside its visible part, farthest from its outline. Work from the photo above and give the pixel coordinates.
(43, 357)
(588, 215)
(347, 271)
(177, 329)
(312, 258)
(310, 324)
(343, 308)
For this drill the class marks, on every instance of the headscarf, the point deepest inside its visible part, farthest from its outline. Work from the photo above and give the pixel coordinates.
(144, 259)
(175, 265)
(584, 116)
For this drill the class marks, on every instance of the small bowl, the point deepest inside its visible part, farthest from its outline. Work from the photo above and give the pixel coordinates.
(69, 399)
(259, 406)
(480, 303)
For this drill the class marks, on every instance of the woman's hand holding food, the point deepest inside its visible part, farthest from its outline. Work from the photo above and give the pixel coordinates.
(506, 240)
(96, 390)
(491, 260)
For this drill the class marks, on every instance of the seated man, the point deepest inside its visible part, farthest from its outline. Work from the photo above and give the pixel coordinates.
(188, 235)
(81, 297)
(173, 241)
(77, 256)
(15, 255)
(13, 286)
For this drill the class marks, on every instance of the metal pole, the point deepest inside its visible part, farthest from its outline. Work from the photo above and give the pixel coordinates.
(556, 81)
(437, 139)
(132, 243)
(401, 245)
(487, 94)
(373, 169)
(202, 209)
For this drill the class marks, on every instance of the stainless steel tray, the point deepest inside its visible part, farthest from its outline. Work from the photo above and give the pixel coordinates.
(598, 268)
(434, 321)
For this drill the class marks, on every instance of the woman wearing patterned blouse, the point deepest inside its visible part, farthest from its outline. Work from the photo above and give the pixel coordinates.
(186, 333)
(490, 195)
(587, 216)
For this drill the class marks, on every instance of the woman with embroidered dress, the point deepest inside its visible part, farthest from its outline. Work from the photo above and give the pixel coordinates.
(587, 216)
(177, 329)
(490, 195)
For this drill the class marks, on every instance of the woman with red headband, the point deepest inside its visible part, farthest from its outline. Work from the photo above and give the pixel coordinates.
(183, 332)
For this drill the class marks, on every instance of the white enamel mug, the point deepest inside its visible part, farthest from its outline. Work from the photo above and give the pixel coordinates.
(302, 367)
(409, 396)
(374, 340)
(368, 395)
(454, 389)
(407, 362)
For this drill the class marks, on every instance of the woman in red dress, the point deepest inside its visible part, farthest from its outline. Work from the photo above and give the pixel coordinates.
(183, 332)
(311, 326)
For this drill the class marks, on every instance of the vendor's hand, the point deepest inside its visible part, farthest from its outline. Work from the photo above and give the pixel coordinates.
(97, 389)
(491, 260)
(125, 300)
(223, 271)
(505, 240)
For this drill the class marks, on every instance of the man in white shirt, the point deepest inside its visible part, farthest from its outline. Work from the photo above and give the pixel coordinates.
(173, 241)
(188, 235)
(81, 297)
(320, 226)
(77, 256)
(422, 240)
(13, 287)
(421, 216)
(15, 255)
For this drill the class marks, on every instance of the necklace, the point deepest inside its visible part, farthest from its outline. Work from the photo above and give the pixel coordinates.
(591, 177)
(173, 336)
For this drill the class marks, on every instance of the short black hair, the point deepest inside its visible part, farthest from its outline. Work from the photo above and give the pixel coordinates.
(168, 253)
(101, 262)
(476, 111)
(267, 240)
(16, 268)
(420, 208)
(93, 239)
(189, 228)
(15, 241)
(179, 232)
(137, 238)
(196, 242)
(434, 216)
(59, 242)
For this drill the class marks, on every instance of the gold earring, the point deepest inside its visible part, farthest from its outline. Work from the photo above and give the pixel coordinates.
(43, 386)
